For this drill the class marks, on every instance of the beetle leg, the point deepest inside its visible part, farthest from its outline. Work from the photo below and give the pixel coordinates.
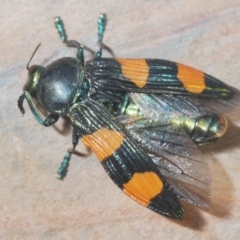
(62, 171)
(20, 104)
(102, 21)
(70, 43)
(51, 118)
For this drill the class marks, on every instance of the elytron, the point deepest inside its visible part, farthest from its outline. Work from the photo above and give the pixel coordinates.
(143, 118)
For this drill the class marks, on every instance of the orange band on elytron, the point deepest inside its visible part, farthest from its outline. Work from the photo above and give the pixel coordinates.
(136, 70)
(142, 187)
(104, 142)
(192, 79)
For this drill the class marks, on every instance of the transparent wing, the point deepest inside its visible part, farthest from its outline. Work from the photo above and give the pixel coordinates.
(175, 155)
(190, 106)
(158, 130)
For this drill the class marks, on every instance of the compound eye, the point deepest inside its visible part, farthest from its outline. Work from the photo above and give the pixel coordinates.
(32, 69)
(34, 74)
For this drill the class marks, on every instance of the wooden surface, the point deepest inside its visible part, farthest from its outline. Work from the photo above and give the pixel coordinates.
(87, 204)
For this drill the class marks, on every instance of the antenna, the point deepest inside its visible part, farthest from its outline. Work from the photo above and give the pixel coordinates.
(33, 55)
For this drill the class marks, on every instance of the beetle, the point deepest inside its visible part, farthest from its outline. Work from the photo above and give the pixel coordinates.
(143, 118)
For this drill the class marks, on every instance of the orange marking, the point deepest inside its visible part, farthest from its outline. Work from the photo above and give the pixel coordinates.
(136, 70)
(142, 187)
(104, 142)
(192, 79)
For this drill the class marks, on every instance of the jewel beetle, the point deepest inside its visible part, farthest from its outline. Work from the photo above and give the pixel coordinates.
(143, 118)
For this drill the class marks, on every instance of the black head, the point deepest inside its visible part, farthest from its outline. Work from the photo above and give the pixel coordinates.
(55, 86)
